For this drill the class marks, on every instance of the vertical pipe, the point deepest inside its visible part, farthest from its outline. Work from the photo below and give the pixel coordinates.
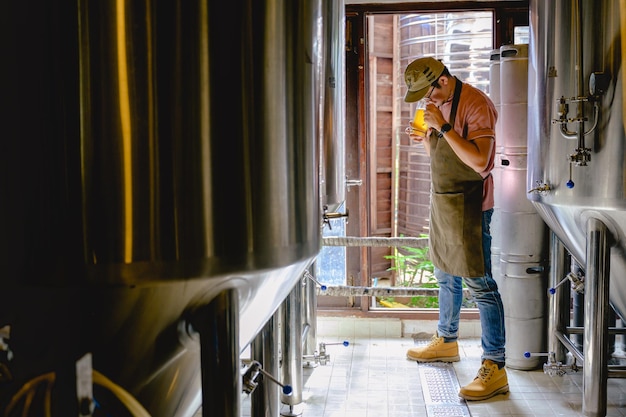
(265, 401)
(559, 303)
(595, 349)
(292, 345)
(217, 324)
(577, 30)
(578, 306)
(310, 318)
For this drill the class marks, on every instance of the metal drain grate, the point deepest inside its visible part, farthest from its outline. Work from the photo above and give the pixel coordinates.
(441, 390)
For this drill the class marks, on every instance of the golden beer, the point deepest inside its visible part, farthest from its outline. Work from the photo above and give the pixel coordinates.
(418, 125)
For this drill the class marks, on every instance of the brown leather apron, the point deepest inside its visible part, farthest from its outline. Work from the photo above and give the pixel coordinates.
(456, 208)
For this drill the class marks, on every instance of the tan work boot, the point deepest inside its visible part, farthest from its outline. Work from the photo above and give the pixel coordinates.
(435, 351)
(489, 381)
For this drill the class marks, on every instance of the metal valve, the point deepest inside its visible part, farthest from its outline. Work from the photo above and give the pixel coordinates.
(552, 367)
(327, 217)
(577, 280)
(322, 357)
(580, 157)
(252, 374)
(541, 188)
(307, 275)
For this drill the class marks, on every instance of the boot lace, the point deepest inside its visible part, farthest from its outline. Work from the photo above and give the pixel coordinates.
(484, 373)
(434, 340)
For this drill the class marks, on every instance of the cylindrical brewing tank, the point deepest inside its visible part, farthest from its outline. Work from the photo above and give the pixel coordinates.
(160, 154)
(576, 54)
(523, 232)
(333, 179)
(496, 227)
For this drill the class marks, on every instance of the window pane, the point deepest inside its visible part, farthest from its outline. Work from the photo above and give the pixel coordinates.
(462, 40)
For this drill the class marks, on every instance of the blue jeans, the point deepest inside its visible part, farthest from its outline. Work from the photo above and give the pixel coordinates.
(484, 290)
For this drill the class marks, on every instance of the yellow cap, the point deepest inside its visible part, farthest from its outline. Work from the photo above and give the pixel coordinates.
(419, 75)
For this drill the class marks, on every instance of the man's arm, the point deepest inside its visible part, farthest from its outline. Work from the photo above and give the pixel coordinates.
(417, 136)
(474, 153)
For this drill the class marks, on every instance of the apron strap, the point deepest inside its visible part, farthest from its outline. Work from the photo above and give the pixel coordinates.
(455, 100)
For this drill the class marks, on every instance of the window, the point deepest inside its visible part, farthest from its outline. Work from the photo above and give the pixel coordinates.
(394, 198)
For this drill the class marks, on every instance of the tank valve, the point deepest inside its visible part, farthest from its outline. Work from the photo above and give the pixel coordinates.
(577, 280)
(252, 374)
(581, 157)
(308, 275)
(327, 217)
(570, 183)
(541, 188)
(322, 357)
(552, 367)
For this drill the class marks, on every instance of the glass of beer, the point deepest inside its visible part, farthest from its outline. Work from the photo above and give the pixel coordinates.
(418, 125)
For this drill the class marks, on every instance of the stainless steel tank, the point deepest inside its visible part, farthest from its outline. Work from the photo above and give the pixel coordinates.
(523, 233)
(333, 157)
(163, 191)
(576, 169)
(496, 228)
(576, 163)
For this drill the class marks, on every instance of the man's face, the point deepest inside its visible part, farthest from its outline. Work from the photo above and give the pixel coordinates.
(439, 95)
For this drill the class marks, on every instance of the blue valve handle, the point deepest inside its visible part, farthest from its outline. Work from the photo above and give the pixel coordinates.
(529, 354)
(308, 275)
(552, 290)
(287, 389)
(345, 343)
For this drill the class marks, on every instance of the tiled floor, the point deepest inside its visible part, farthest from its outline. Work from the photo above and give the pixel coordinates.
(372, 377)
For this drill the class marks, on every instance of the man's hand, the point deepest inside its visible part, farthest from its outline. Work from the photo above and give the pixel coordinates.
(433, 117)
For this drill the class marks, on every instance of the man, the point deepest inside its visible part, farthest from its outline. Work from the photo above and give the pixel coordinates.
(460, 141)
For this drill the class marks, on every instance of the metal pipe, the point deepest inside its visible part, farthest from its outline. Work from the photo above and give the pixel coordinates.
(580, 330)
(309, 335)
(595, 348)
(577, 30)
(414, 242)
(217, 324)
(564, 338)
(265, 400)
(343, 290)
(559, 302)
(291, 314)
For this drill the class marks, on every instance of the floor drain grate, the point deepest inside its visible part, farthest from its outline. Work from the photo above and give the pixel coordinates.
(441, 390)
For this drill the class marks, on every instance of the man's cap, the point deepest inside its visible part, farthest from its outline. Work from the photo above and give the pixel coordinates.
(419, 75)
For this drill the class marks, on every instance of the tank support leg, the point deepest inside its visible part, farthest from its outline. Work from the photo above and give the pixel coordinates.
(310, 321)
(218, 326)
(596, 317)
(292, 347)
(265, 401)
(560, 301)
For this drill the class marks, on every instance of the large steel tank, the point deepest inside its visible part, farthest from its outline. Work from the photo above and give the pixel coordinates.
(576, 161)
(523, 234)
(160, 196)
(576, 168)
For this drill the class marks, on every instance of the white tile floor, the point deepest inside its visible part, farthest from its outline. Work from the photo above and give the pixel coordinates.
(372, 377)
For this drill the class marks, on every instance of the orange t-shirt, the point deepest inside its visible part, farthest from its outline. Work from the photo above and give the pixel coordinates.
(476, 117)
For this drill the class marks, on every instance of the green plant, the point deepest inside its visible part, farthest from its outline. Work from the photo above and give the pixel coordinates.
(409, 262)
